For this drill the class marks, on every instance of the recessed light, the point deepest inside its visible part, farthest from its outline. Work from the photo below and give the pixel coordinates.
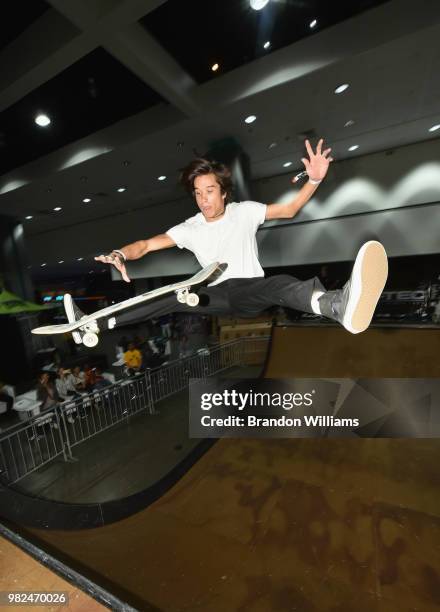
(121, 189)
(80, 258)
(29, 217)
(87, 200)
(162, 177)
(266, 44)
(215, 67)
(341, 88)
(349, 123)
(250, 119)
(434, 128)
(313, 23)
(61, 261)
(257, 5)
(353, 147)
(57, 208)
(287, 164)
(91, 272)
(272, 145)
(43, 264)
(42, 120)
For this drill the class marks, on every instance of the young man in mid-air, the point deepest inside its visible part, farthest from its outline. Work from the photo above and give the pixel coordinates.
(226, 232)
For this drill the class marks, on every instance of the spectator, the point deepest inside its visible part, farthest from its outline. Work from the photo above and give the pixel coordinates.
(47, 393)
(89, 377)
(133, 359)
(6, 398)
(79, 379)
(65, 384)
(101, 382)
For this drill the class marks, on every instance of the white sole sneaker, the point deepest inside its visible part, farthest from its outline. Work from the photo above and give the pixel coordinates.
(368, 278)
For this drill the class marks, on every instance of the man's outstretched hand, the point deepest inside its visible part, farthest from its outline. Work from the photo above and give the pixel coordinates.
(115, 261)
(318, 163)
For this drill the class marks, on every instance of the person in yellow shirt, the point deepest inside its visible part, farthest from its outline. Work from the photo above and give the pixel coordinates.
(133, 358)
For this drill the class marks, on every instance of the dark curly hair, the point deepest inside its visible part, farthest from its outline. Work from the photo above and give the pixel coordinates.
(199, 167)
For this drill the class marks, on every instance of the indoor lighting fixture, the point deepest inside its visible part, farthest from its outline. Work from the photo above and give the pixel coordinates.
(434, 128)
(313, 23)
(266, 44)
(87, 200)
(121, 189)
(42, 120)
(29, 217)
(287, 164)
(57, 208)
(272, 145)
(43, 264)
(215, 67)
(162, 177)
(349, 123)
(353, 147)
(257, 5)
(80, 259)
(250, 119)
(61, 261)
(341, 88)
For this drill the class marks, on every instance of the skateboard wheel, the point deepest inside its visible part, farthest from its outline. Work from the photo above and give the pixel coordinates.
(90, 340)
(181, 297)
(192, 299)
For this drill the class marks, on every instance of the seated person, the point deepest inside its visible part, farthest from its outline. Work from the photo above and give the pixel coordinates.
(6, 398)
(89, 377)
(133, 358)
(78, 378)
(65, 384)
(101, 382)
(47, 393)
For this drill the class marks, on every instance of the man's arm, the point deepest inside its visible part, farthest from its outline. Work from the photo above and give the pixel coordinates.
(316, 167)
(135, 250)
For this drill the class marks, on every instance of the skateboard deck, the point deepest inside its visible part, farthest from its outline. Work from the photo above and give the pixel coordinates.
(85, 330)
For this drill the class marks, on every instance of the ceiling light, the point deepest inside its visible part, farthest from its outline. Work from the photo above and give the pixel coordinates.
(257, 5)
(87, 200)
(266, 44)
(353, 147)
(61, 261)
(250, 119)
(29, 217)
(43, 264)
(313, 23)
(121, 189)
(341, 88)
(80, 258)
(57, 208)
(272, 145)
(435, 127)
(162, 177)
(42, 120)
(349, 123)
(215, 67)
(287, 164)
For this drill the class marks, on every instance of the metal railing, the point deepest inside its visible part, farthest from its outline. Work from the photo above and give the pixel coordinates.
(41, 439)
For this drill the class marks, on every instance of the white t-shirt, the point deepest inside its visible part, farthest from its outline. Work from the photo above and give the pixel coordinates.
(231, 239)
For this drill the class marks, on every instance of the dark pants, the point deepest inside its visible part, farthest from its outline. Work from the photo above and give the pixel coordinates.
(243, 297)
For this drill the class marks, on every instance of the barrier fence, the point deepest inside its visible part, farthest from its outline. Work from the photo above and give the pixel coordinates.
(55, 432)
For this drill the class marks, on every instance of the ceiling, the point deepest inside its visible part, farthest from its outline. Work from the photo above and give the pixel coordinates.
(129, 88)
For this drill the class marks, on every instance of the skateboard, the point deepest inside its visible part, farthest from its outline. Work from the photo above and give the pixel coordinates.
(85, 329)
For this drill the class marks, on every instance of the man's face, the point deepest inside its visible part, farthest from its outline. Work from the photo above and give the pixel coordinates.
(209, 197)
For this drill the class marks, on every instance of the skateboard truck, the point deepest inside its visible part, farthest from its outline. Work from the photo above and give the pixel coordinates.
(185, 297)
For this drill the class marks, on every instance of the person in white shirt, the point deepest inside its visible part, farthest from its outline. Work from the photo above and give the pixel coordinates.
(226, 232)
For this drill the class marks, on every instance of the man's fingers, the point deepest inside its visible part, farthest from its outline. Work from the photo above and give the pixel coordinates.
(309, 149)
(306, 163)
(326, 152)
(319, 147)
(330, 159)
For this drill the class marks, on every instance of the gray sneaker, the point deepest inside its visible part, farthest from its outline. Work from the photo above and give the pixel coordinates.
(353, 306)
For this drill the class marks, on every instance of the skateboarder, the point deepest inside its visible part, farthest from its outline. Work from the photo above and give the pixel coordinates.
(225, 231)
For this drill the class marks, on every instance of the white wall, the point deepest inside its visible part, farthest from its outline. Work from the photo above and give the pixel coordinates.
(384, 196)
